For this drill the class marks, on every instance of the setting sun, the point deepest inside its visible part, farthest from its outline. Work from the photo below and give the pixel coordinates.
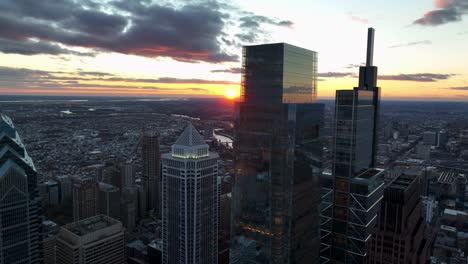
(231, 94)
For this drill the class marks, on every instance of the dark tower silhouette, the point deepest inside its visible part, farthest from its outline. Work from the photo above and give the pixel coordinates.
(152, 171)
(275, 195)
(400, 234)
(351, 193)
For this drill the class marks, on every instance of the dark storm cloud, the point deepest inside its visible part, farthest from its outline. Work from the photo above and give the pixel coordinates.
(335, 74)
(234, 70)
(417, 77)
(192, 32)
(409, 44)
(447, 11)
(186, 34)
(31, 47)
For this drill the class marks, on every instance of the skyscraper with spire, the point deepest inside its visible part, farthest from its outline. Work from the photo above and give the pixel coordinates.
(190, 201)
(352, 192)
(20, 240)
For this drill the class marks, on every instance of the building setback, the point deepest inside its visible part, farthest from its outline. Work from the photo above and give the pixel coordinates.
(20, 207)
(98, 239)
(352, 192)
(190, 201)
(275, 216)
(400, 234)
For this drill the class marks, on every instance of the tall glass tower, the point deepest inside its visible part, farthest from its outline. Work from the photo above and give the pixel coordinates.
(352, 192)
(275, 195)
(20, 218)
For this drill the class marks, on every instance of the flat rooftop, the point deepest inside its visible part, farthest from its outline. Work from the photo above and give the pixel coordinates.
(90, 225)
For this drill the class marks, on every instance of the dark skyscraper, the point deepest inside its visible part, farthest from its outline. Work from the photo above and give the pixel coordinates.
(275, 195)
(351, 193)
(399, 236)
(151, 170)
(20, 240)
(85, 198)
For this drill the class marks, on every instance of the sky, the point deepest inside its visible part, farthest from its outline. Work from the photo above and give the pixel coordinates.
(193, 48)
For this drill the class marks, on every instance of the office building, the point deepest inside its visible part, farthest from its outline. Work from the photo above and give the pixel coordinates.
(352, 191)
(20, 206)
(430, 138)
(190, 201)
(85, 198)
(128, 174)
(400, 233)
(442, 139)
(275, 216)
(65, 189)
(151, 170)
(51, 197)
(49, 230)
(109, 200)
(129, 206)
(98, 239)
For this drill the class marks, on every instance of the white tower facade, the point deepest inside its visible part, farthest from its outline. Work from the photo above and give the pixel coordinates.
(190, 201)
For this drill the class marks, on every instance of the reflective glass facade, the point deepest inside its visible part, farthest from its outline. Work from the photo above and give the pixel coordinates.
(20, 219)
(279, 73)
(278, 157)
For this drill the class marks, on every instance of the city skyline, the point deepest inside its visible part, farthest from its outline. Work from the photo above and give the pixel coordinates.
(114, 48)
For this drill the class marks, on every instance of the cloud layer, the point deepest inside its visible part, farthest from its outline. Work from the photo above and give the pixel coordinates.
(27, 79)
(409, 44)
(192, 32)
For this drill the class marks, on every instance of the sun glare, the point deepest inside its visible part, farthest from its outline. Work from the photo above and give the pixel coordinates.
(231, 94)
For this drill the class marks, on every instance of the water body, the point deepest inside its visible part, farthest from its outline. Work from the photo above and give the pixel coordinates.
(223, 139)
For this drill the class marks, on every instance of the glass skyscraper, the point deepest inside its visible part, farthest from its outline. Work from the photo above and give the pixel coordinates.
(275, 214)
(20, 218)
(352, 192)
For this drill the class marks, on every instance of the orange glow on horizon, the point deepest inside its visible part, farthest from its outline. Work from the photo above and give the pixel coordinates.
(231, 94)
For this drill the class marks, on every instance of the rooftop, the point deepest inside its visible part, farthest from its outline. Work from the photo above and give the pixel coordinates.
(90, 225)
(190, 137)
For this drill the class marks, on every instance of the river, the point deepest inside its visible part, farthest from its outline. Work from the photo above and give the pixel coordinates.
(223, 139)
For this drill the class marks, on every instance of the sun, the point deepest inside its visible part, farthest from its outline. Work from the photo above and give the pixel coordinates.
(231, 94)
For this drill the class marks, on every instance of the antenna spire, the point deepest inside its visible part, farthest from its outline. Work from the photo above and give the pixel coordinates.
(370, 47)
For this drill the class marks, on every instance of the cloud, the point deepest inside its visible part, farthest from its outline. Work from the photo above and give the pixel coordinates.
(417, 77)
(234, 70)
(335, 74)
(352, 66)
(32, 47)
(359, 19)
(192, 31)
(462, 88)
(414, 77)
(446, 11)
(20, 77)
(189, 33)
(409, 44)
(252, 27)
